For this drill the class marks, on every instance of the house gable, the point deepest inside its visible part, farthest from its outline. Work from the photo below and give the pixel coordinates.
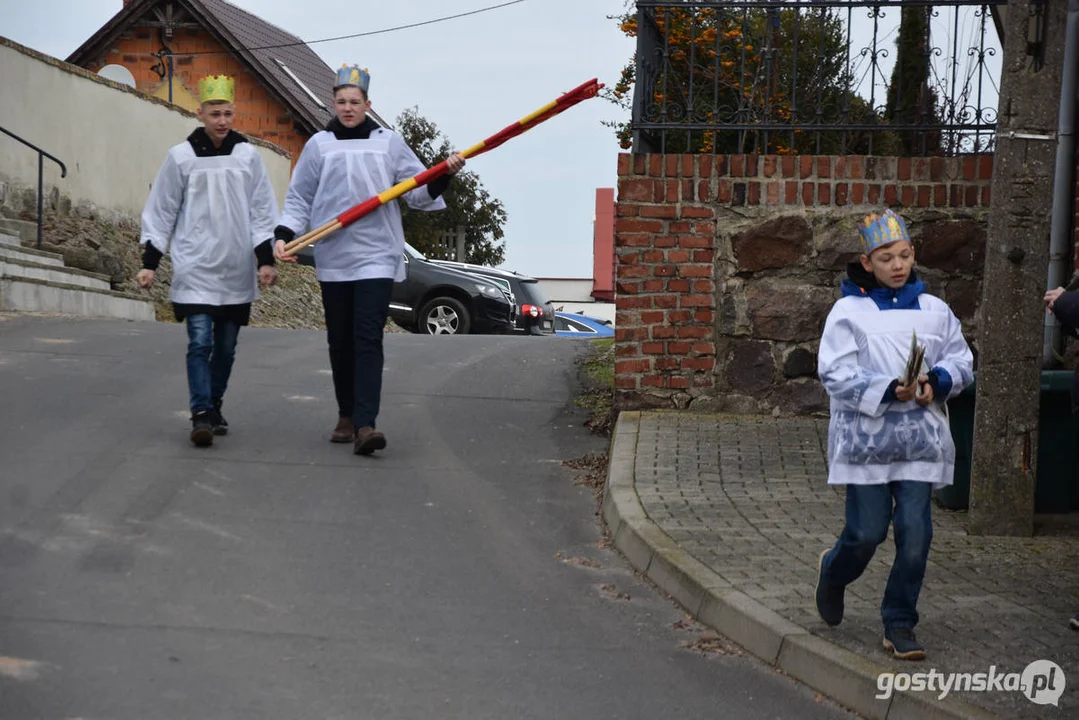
(305, 88)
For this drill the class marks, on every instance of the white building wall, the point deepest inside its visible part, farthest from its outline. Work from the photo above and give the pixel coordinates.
(567, 289)
(111, 138)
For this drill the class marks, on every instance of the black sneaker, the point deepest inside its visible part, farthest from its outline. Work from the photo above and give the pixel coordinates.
(218, 421)
(202, 429)
(1074, 622)
(829, 597)
(903, 644)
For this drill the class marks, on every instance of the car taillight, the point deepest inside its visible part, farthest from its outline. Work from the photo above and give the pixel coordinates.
(533, 310)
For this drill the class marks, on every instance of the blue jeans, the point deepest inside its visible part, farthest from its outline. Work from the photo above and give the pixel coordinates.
(870, 509)
(356, 313)
(211, 348)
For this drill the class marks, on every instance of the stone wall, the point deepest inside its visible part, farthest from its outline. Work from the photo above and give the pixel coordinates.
(726, 266)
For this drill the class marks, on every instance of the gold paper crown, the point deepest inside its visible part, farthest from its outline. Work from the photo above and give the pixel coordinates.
(216, 87)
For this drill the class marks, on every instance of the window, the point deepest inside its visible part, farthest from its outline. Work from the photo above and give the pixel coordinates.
(504, 284)
(567, 325)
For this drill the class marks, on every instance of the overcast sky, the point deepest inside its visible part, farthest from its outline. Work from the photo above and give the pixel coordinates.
(471, 76)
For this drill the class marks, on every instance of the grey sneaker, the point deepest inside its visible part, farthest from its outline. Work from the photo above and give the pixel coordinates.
(903, 644)
(1074, 622)
(829, 597)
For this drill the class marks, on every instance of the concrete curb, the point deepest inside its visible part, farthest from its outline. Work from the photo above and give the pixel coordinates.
(848, 678)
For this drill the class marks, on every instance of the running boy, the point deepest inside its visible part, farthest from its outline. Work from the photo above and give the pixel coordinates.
(213, 198)
(888, 443)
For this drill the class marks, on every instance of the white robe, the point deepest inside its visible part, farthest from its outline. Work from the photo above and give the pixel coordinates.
(216, 210)
(332, 176)
(861, 351)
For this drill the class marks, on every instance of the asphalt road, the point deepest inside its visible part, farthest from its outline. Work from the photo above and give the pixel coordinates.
(275, 575)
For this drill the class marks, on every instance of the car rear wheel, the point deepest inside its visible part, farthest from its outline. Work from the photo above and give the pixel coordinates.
(444, 316)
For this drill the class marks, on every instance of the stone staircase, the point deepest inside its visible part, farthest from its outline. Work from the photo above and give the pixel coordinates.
(35, 281)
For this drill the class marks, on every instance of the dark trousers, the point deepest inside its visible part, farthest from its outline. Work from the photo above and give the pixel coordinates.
(211, 349)
(870, 509)
(356, 313)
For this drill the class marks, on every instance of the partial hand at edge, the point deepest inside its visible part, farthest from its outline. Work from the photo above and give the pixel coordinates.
(279, 252)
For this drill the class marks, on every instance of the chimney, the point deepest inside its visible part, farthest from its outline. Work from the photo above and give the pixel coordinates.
(603, 246)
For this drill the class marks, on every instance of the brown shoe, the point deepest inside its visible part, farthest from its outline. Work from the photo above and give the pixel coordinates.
(343, 432)
(368, 440)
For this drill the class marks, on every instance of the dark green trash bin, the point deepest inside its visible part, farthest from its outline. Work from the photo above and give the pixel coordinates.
(1057, 484)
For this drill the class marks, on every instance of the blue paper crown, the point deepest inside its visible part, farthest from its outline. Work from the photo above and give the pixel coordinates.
(882, 229)
(353, 75)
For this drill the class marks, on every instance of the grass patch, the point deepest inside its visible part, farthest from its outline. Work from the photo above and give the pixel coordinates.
(597, 391)
(600, 365)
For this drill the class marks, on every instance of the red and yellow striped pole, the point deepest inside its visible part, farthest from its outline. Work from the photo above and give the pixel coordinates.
(582, 92)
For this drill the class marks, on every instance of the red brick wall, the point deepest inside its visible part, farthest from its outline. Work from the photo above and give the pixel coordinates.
(682, 291)
(258, 112)
(665, 234)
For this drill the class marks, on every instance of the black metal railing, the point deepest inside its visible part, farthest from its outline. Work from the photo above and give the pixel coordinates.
(41, 155)
(902, 77)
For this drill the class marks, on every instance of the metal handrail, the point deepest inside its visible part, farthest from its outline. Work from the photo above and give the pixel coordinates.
(41, 155)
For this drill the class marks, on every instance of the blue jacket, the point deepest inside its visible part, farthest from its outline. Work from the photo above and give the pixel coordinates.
(860, 282)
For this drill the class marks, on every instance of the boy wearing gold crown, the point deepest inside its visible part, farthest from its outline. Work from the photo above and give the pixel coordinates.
(213, 199)
(353, 160)
(888, 438)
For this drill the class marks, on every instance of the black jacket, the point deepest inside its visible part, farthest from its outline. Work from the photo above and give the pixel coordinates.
(1066, 310)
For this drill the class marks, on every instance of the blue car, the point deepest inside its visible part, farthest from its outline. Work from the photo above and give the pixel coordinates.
(578, 326)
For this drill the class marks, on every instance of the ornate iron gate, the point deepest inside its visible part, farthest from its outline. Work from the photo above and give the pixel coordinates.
(905, 77)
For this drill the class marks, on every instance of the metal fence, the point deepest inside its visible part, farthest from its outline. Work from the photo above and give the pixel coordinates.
(905, 77)
(450, 246)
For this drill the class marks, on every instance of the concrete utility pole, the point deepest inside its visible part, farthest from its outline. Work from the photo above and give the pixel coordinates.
(1004, 465)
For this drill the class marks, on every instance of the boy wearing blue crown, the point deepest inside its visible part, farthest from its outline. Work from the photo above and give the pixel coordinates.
(353, 160)
(213, 199)
(888, 437)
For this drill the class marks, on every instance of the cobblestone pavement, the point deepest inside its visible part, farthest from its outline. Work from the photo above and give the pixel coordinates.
(749, 498)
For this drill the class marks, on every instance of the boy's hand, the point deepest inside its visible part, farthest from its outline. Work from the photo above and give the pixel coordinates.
(267, 275)
(906, 393)
(925, 396)
(145, 278)
(1051, 297)
(455, 162)
(279, 253)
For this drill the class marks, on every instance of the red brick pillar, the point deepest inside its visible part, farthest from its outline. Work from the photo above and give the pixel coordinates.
(665, 236)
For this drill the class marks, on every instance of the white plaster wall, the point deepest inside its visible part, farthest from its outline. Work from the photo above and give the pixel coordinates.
(112, 140)
(567, 289)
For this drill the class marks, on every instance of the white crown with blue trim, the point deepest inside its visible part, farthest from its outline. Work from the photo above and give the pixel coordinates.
(353, 75)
